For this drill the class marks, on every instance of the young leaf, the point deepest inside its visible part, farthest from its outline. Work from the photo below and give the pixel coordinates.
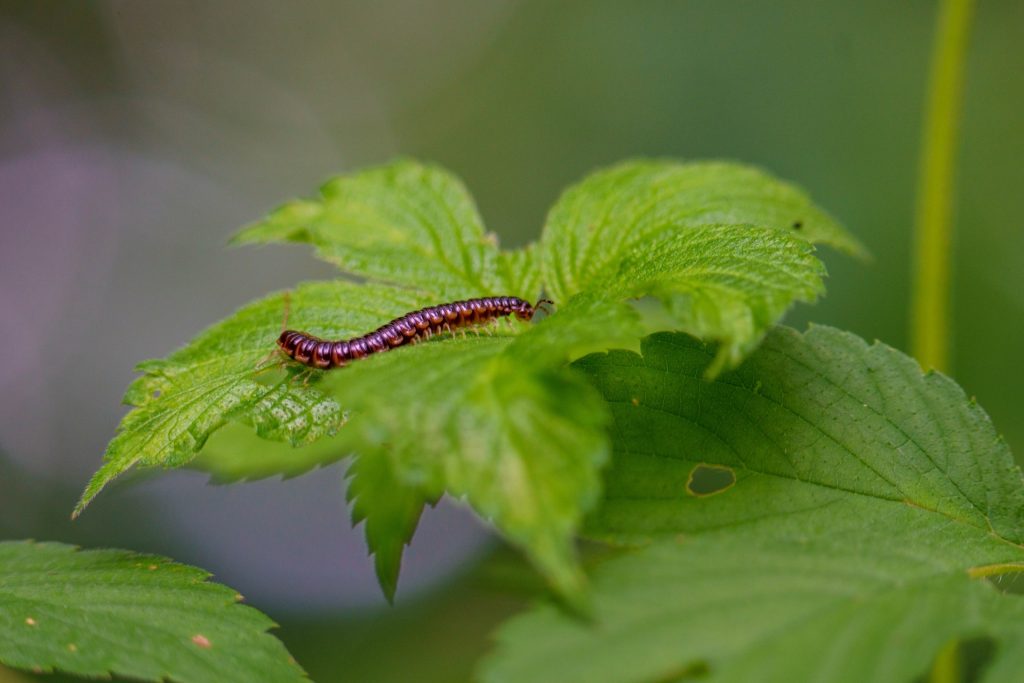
(869, 501)
(180, 401)
(724, 283)
(594, 224)
(103, 612)
(405, 223)
(521, 441)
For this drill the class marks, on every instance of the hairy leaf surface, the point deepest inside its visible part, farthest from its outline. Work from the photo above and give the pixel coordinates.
(869, 501)
(180, 401)
(103, 612)
(405, 223)
(723, 283)
(595, 223)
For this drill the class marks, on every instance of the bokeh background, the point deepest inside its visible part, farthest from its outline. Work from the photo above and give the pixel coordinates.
(136, 137)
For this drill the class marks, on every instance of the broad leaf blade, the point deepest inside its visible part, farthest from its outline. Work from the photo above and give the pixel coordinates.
(593, 225)
(868, 499)
(815, 412)
(404, 223)
(103, 612)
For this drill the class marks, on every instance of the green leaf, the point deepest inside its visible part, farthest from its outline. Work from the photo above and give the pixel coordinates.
(869, 501)
(404, 223)
(103, 612)
(594, 225)
(724, 283)
(521, 442)
(808, 415)
(179, 402)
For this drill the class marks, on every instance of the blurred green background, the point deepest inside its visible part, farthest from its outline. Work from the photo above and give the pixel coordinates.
(135, 137)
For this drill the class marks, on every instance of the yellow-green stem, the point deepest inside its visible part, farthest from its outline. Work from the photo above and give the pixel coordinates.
(946, 668)
(931, 331)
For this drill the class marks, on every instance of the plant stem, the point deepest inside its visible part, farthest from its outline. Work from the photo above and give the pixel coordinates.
(933, 224)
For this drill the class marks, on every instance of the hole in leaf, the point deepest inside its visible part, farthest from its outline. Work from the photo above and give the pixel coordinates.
(707, 480)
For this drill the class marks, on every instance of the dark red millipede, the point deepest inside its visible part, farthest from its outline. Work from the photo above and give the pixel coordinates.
(411, 327)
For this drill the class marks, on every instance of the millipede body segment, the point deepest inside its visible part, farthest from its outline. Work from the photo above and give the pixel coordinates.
(411, 327)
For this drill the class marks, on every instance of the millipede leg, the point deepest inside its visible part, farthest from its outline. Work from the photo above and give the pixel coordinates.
(264, 363)
(305, 374)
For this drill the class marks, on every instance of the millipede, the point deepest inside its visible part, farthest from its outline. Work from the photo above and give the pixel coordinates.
(407, 329)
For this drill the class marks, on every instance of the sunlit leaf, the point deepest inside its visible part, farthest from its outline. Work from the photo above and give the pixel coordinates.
(180, 401)
(405, 223)
(595, 223)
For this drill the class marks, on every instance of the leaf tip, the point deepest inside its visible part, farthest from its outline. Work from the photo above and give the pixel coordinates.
(104, 475)
(90, 492)
(387, 569)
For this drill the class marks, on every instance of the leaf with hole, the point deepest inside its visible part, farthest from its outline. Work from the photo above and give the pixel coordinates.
(870, 502)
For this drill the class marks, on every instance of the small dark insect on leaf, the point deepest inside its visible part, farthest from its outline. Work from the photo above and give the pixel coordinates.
(797, 225)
